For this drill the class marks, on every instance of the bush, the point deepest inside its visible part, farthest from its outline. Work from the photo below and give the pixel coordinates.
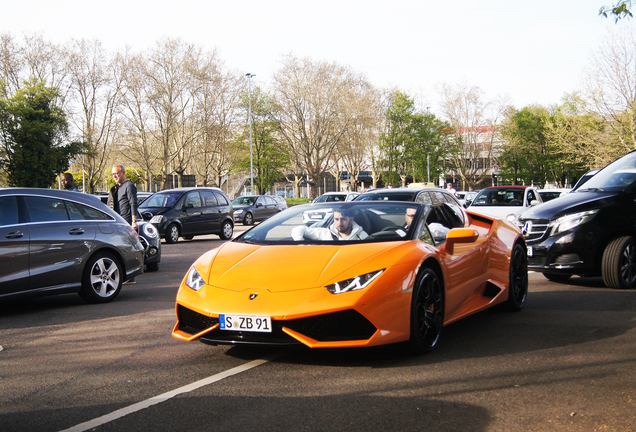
(296, 201)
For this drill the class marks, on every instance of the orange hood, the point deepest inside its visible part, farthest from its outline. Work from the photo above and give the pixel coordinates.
(240, 266)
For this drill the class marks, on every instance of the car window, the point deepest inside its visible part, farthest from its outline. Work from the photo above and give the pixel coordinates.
(424, 197)
(78, 211)
(244, 200)
(438, 197)
(209, 199)
(161, 200)
(193, 199)
(531, 196)
(46, 209)
(382, 196)
(8, 211)
(220, 198)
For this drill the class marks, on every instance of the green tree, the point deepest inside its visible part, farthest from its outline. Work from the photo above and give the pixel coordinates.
(622, 9)
(269, 155)
(34, 137)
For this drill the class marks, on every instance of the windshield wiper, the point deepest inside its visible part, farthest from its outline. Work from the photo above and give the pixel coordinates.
(592, 190)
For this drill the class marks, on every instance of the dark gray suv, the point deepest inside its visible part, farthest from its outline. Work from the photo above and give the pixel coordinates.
(186, 212)
(55, 242)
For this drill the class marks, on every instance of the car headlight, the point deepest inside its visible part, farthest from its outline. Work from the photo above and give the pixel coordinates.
(353, 284)
(568, 222)
(194, 279)
(238, 212)
(150, 230)
(511, 218)
(156, 219)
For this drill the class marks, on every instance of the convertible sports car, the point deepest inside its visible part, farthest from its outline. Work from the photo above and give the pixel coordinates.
(375, 272)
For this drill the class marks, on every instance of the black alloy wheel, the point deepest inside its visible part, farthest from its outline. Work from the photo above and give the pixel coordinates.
(427, 312)
(518, 288)
(619, 263)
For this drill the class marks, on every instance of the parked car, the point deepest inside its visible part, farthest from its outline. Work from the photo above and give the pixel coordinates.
(427, 195)
(253, 208)
(277, 284)
(55, 242)
(550, 194)
(187, 212)
(281, 202)
(143, 196)
(589, 232)
(506, 202)
(148, 234)
(466, 197)
(321, 213)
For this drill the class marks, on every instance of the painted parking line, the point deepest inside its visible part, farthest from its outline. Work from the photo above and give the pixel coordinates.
(169, 395)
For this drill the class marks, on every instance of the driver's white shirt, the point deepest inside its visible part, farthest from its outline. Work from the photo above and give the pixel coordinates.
(309, 233)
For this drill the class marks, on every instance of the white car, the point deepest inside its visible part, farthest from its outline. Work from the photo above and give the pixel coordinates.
(550, 194)
(505, 202)
(312, 216)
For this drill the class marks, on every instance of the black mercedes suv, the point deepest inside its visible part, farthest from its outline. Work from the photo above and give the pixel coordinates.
(590, 231)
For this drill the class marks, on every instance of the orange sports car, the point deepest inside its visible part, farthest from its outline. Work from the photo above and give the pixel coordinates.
(373, 272)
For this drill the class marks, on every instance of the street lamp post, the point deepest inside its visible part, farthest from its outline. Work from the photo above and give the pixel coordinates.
(249, 95)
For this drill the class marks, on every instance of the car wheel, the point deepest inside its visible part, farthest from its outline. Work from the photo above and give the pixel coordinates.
(152, 267)
(557, 277)
(619, 263)
(518, 288)
(427, 312)
(248, 219)
(227, 230)
(102, 278)
(172, 234)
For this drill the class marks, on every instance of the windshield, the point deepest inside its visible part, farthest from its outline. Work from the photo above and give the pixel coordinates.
(500, 197)
(244, 200)
(331, 198)
(346, 222)
(616, 177)
(387, 196)
(161, 199)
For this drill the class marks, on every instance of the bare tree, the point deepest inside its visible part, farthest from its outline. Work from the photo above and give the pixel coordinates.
(610, 87)
(473, 129)
(95, 93)
(315, 99)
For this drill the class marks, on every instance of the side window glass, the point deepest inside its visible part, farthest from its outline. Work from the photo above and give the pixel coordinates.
(438, 197)
(221, 199)
(81, 212)
(455, 215)
(208, 199)
(425, 198)
(193, 199)
(8, 211)
(270, 200)
(46, 209)
(260, 201)
(531, 196)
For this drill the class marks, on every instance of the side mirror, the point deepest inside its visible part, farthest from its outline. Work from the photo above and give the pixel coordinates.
(459, 235)
(534, 203)
(188, 206)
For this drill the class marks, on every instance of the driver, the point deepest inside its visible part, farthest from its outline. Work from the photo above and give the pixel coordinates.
(342, 228)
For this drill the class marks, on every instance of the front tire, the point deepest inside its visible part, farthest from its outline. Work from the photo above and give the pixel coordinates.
(172, 234)
(227, 230)
(619, 263)
(102, 279)
(248, 219)
(427, 312)
(518, 288)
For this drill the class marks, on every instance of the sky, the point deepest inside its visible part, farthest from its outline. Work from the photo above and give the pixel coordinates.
(530, 52)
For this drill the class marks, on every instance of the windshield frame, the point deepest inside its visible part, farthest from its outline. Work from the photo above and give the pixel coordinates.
(606, 179)
(387, 212)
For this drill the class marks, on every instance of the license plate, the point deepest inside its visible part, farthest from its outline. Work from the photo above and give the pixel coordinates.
(316, 216)
(249, 323)
(530, 251)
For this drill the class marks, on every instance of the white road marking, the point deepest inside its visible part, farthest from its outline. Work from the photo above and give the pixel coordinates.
(169, 395)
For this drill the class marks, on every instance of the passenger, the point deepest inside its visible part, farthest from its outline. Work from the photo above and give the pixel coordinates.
(342, 228)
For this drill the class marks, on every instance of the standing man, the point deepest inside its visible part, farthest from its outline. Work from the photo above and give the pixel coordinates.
(123, 196)
(67, 182)
(450, 188)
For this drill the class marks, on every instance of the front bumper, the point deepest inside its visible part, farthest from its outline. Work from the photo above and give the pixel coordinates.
(569, 253)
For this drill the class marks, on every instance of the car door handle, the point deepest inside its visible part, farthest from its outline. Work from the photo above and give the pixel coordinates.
(76, 231)
(14, 235)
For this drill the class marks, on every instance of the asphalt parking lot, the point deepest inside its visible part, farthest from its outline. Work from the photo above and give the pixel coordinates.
(567, 362)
